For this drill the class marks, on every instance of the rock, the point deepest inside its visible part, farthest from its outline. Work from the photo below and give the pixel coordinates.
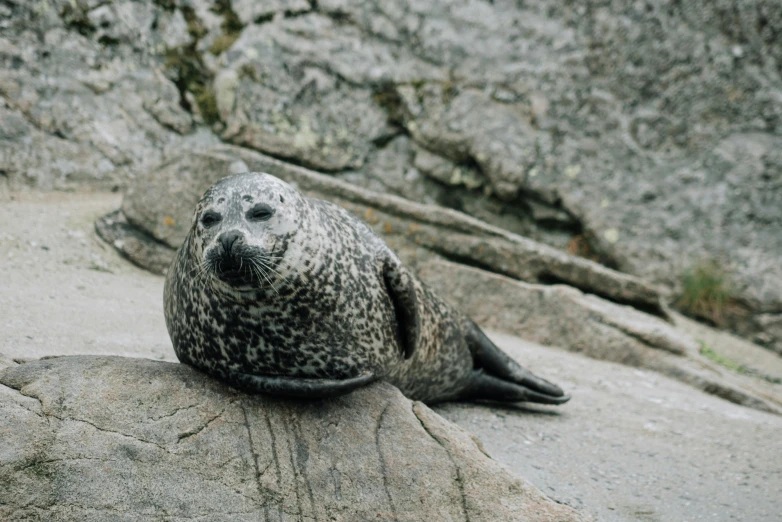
(152, 440)
(433, 179)
(85, 101)
(659, 142)
(413, 229)
(546, 314)
(646, 138)
(286, 105)
(250, 11)
(388, 170)
(31, 157)
(5, 363)
(628, 437)
(770, 327)
(134, 244)
(150, 226)
(650, 130)
(562, 316)
(467, 125)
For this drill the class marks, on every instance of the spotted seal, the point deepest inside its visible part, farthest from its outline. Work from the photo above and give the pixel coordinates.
(275, 292)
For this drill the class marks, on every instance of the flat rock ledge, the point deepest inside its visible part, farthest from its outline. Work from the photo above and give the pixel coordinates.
(563, 316)
(113, 438)
(537, 292)
(152, 224)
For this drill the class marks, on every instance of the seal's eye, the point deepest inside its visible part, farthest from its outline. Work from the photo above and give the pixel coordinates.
(210, 218)
(260, 212)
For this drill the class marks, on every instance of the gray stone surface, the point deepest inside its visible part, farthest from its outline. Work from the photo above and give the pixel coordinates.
(646, 137)
(95, 438)
(562, 316)
(250, 11)
(631, 445)
(655, 126)
(412, 229)
(285, 104)
(86, 100)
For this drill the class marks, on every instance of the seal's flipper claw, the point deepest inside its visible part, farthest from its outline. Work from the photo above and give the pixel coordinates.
(490, 388)
(297, 387)
(496, 362)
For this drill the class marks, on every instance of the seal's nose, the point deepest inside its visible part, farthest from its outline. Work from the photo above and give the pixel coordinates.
(227, 239)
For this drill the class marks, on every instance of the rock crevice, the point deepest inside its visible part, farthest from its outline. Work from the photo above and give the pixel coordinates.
(387, 454)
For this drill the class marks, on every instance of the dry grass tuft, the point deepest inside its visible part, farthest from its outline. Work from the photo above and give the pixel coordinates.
(706, 293)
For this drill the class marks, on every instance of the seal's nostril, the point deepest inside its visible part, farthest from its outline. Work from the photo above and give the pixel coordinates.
(228, 239)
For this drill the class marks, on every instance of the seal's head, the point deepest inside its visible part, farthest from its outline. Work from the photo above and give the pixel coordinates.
(242, 229)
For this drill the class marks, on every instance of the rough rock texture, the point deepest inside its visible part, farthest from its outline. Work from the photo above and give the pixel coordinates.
(562, 316)
(414, 230)
(150, 225)
(85, 100)
(92, 438)
(643, 135)
(634, 445)
(627, 440)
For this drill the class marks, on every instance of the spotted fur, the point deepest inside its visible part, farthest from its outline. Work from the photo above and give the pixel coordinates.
(333, 300)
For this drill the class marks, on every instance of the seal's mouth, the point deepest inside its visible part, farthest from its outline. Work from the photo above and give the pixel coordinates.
(243, 267)
(235, 271)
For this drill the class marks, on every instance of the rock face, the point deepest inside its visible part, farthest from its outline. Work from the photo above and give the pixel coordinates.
(646, 137)
(91, 438)
(150, 225)
(85, 97)
(413, 230)
(559, 315)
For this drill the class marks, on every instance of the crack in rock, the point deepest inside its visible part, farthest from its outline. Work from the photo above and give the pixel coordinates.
(383, 467)
(196, 431)
(415, 405)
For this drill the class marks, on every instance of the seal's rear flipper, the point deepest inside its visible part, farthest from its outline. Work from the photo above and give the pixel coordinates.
(296, 387)
(499, 364)
(490, 388)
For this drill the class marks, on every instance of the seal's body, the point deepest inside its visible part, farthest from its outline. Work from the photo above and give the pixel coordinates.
(279, 293)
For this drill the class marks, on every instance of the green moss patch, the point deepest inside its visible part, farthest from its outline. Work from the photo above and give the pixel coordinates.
(720, 359)
(730, 364)
(232, 27)
(189, 74)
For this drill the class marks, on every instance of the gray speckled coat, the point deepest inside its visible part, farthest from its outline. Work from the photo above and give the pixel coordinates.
(330, 301)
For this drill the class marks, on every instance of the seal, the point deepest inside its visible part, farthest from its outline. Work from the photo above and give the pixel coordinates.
(278, 293)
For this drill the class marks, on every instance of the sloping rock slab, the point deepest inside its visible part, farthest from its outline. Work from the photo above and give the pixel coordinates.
(98, 438)
(159, 205)
(562, 316)
(134, 243)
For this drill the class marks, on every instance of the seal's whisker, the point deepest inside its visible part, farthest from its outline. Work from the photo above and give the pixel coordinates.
(273, 286)
(262, 271)
(202, 272)
(270, 268)
(255, 271)
(271, 283)
(199, 269)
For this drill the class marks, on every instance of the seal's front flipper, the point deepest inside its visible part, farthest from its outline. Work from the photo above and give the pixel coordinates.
(497, 363)
(296, 387)
(490, 388)
(400, 286)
